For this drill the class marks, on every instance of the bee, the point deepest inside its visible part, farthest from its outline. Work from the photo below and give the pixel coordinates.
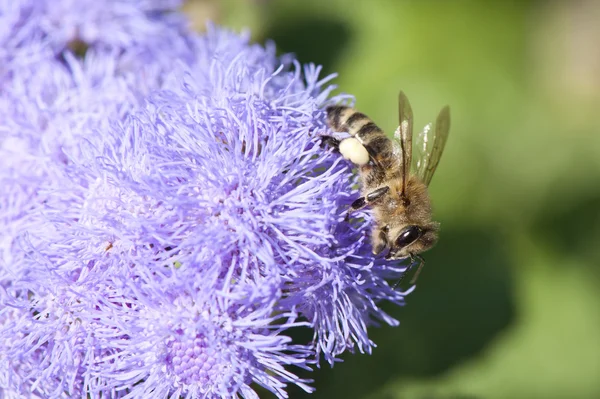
(393, 182)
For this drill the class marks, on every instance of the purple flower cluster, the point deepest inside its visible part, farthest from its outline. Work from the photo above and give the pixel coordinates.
(167, 213)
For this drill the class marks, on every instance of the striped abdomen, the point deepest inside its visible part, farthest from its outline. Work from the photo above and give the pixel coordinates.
(345, 119)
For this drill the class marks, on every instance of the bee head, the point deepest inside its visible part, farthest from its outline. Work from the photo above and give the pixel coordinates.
(410, 239)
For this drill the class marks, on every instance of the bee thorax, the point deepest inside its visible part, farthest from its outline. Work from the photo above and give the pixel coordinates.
(353, 150)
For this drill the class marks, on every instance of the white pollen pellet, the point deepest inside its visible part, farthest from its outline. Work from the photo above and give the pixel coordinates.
(353, 150)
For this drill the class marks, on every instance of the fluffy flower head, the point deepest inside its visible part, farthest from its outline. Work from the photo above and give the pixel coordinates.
(170, 216)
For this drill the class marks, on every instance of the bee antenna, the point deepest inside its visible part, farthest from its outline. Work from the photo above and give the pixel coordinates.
(413, 259)
(420, 267)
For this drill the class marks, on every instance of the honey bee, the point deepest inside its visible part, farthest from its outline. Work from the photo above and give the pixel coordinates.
(393, 182)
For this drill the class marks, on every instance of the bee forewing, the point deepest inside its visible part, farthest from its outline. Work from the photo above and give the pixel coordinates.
(420, 148)
(405, 116)
(405, 128)
(430, 145)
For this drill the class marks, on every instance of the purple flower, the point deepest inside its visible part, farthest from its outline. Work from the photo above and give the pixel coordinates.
(168, 216)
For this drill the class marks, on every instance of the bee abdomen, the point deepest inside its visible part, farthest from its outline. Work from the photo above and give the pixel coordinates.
(345, 119)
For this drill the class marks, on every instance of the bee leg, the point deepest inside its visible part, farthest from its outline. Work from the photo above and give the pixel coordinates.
(331, 142)
(358, 204)
(350, 148)
(353, 149)
(369, 199)
(355, 206)
(375, 195)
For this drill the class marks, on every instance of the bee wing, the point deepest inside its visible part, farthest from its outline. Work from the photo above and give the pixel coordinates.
(403, 136)
(429, 146)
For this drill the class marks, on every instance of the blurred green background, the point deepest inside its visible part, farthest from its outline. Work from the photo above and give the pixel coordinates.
(508, 305)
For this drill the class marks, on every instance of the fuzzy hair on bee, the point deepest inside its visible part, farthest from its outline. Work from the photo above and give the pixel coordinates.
(392, 185)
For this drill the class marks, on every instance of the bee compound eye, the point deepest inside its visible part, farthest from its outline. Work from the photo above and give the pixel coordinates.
(408, 236)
